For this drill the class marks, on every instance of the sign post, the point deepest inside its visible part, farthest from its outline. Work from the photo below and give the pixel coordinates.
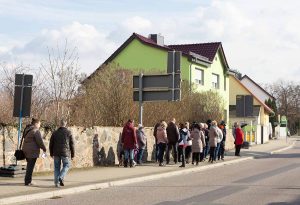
(22, 99)
(141, 98)
(164, 87)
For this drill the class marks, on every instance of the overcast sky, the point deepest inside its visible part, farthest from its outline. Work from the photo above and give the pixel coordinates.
(260, 38)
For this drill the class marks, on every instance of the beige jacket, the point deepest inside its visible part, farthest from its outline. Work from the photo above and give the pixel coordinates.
(198, 140)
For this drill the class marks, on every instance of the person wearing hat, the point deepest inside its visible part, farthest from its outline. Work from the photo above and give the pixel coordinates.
(221, 153)
(142, 141)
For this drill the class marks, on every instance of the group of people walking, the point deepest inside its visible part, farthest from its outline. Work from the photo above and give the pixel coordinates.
(199, 141)
(61, 149)
(196, 141)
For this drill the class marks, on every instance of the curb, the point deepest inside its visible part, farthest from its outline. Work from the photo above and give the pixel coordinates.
(104, 185)
(283, 149)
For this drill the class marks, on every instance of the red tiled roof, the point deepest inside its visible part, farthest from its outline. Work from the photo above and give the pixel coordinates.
(150, 41)
(207, 50)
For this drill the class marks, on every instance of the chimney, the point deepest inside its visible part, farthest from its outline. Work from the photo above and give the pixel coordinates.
(157, 38)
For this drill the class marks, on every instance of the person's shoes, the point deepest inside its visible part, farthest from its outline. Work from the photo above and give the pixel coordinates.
(181, 166)
(61, 182)
(193, 163)
(197, 163)
(161, 164)
(57, 186)
(30, 184)
(222, 159)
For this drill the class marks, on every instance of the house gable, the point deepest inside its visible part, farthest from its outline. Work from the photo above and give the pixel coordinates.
(237, 88)
(261, 93)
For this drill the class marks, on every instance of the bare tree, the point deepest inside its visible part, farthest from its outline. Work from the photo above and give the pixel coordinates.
(107, 100)
(61, 73)
(287, 94)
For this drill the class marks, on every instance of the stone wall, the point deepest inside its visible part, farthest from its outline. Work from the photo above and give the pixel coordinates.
(95, 146)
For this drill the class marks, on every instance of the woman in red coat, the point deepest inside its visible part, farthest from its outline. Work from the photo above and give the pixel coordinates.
(239, 140)
(129, 142)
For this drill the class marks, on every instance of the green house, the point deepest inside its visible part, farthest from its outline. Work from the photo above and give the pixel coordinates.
(203, 65)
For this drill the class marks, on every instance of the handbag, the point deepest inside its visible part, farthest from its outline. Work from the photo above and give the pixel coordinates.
(19, 154)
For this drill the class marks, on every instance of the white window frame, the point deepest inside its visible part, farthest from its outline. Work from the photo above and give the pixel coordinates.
(215, 85)
(196, 78)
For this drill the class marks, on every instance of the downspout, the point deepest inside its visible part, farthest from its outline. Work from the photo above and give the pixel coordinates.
(190, 77)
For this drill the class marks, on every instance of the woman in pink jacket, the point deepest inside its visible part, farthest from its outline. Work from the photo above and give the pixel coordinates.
(162, 140)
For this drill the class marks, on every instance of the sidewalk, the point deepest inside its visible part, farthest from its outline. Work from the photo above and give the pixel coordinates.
(81, 179)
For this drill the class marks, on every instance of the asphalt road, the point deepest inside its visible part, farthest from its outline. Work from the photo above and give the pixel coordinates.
(271, 180)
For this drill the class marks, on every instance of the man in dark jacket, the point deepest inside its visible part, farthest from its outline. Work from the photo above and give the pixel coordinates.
(33, 142)
(173, 137)
(61, 149)
(129, 142)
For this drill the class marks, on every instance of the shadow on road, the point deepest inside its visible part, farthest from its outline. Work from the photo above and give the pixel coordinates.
(295, 202)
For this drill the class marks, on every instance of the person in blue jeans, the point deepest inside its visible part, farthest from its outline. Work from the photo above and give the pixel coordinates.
(142, 142)
(61, 150)
(219, 140)
(129, 142)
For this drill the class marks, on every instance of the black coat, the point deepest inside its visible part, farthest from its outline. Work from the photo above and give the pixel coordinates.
(172, 133)
(62, 143)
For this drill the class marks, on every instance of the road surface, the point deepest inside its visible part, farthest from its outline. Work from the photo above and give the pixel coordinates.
(271, 180)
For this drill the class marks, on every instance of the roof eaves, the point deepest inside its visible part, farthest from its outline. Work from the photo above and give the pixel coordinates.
(111, 57)
(223, 55)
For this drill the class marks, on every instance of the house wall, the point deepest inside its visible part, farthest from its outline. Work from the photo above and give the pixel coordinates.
(137, 56)
(235, 88)
(218, 68)
(140, 57)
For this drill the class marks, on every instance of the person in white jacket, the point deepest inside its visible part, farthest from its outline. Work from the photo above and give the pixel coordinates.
(219, 140)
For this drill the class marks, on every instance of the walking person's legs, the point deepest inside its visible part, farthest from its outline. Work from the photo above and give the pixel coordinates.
(212, 154)
(222, 151)
(188, 152)
(140, 156)
(126, 157)
(179, 153)
(64, 170)
(131, 156)
(57, 166)
(169, 147)
(216, 151)
(237, 150)
(29, 170)
(197, 157)
(201, 156)
(183, 157)
(161, 152)
(175, 152)
(207, 150)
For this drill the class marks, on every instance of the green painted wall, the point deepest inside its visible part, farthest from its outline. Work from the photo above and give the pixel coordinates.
(140, 57)
(218, 68)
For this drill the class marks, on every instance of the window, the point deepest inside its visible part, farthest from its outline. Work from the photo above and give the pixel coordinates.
(199, 76)
(225, 82)
(215, 81)
(244, 105)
